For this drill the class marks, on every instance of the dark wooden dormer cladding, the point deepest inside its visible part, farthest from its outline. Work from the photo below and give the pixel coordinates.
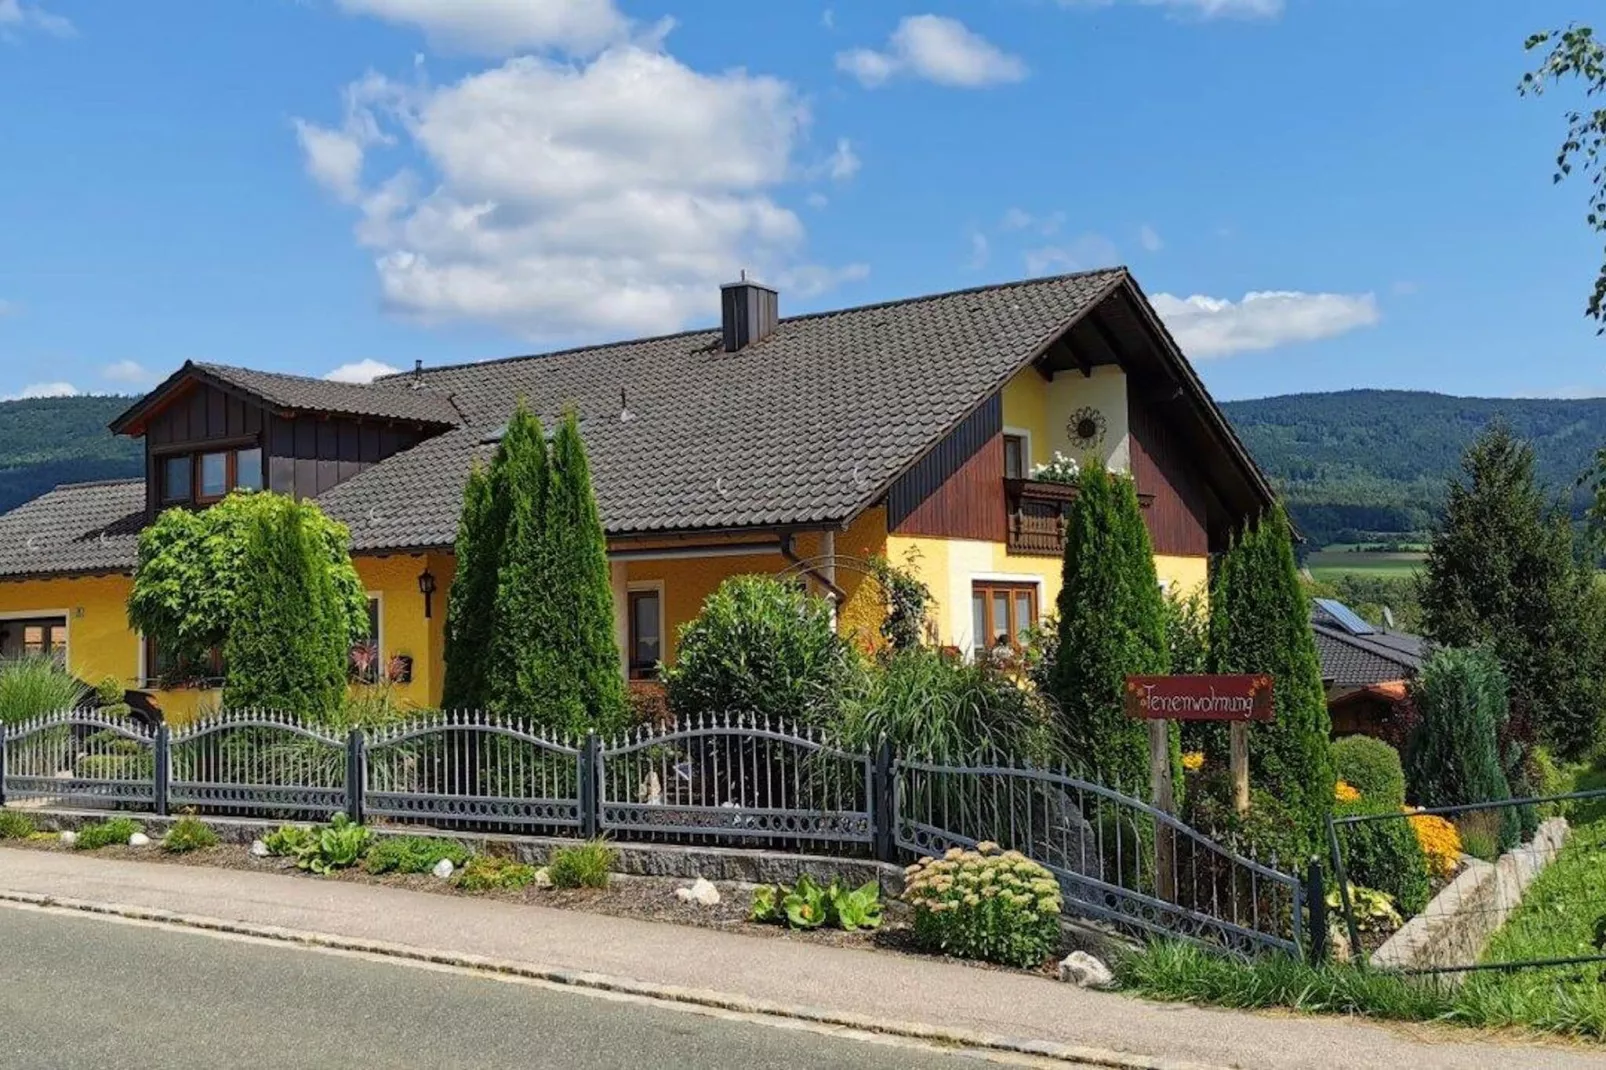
(301, 454)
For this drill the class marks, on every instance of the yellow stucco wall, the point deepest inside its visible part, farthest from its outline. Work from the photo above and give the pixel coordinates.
(99, 643)
(1043, 410)
(403, 628)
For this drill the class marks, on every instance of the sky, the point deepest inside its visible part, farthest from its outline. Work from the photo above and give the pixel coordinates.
(1315, 194)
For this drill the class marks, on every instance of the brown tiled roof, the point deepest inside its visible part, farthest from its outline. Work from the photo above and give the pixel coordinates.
(1357, 660)
(395, 399)
(78, 527)
(807, 426)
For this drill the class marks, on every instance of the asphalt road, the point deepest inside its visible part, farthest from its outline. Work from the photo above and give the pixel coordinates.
(85, 993)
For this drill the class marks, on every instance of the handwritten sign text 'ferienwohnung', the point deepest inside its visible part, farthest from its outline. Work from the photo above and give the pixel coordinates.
(1199, 698)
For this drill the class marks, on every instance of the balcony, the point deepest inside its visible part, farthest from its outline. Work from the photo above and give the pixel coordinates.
(1037, 515)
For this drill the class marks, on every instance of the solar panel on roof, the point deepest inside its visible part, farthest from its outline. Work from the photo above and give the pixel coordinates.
(1345, 617)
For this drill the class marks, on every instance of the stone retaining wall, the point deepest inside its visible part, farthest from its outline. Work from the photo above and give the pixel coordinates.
(1455, 928)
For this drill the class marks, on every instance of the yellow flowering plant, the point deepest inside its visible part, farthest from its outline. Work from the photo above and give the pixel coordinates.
(985, 903)
(1193, 761)
(1441, 843)
(1344, 793)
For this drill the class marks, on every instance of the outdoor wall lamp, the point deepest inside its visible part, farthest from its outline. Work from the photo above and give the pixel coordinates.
(426, 587)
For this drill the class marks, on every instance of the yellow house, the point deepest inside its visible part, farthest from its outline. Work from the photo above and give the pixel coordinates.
(802, 445)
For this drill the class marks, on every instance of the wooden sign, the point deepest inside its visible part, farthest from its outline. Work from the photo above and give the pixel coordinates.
(1199, 698)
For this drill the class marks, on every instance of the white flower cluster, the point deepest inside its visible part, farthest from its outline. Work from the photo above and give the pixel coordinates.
(1061, 469)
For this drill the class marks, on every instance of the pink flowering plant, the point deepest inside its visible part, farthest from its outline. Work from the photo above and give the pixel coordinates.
(985, 904)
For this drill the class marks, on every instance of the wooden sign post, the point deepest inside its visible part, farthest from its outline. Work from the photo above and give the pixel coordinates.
(1158, 699)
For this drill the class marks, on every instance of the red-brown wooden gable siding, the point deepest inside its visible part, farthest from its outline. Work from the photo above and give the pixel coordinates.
(1162, 466)
(969, 504)
(201, 416)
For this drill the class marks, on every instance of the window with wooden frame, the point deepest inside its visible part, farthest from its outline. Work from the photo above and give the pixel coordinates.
(1002, 614)
(207, 477)
(1016, 457)
(646, 632)
(163, 670)
(177, 474)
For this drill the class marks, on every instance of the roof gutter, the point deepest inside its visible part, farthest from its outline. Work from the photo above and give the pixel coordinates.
(809, 570)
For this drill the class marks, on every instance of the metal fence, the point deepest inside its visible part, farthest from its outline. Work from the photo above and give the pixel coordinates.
(1117, 859)
(725, 781)
(1524, 891)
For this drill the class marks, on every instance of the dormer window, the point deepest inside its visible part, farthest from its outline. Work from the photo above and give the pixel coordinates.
(204, 478)
(176, 479)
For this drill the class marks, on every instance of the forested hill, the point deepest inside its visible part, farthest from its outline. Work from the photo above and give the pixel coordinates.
(46, 441)
(1377, 460)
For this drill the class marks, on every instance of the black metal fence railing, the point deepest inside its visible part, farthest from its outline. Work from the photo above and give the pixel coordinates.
(731, 782)
(1511, 884)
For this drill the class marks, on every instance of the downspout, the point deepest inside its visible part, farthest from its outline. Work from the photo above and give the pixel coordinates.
(828, 581)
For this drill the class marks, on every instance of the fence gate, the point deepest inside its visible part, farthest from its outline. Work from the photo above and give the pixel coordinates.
(78, 758)
(737, 781)
(258, 762)
(472, 768)
(1100, 844)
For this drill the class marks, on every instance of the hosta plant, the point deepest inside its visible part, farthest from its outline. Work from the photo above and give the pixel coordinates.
(985, 904)
(806, 905)
(1374, 910)
(288, 840)
(340, 844)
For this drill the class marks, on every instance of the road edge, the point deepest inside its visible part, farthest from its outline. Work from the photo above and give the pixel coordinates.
(724, 1001)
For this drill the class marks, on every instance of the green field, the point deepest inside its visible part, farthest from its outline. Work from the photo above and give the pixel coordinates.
(1329, 564)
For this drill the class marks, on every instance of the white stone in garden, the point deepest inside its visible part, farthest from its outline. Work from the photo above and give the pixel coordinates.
(1083, 970)
(683, 894)
(703, 893)
(139, 839)
(69, 838)
(259, 849)
(543, 879)
(444, 868)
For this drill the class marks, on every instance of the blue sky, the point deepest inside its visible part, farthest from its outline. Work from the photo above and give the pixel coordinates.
(1318, 194)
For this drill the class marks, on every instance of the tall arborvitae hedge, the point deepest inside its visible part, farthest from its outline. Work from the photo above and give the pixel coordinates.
(1111, 626)
(1260, 623)
(289, 638)
(471, 602)
(530, 617)
(585, 687)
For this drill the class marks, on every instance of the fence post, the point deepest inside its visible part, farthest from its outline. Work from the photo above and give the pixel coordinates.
(1316, 896)
(882, 801)
(1341, 875)
(589, 758)
(4, 736)
(163, 770)
(355, 776)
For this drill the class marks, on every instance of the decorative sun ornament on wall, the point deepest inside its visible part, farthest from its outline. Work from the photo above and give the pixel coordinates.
(1086, 429)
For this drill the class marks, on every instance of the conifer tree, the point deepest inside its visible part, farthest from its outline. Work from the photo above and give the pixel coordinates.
(471, 601)
(1260, 623)
(289, 639)
(1111, 625)
(518, 658)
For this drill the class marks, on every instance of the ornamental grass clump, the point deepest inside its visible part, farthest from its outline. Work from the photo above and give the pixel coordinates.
(985, 904)
(188, 834)
(106, 833)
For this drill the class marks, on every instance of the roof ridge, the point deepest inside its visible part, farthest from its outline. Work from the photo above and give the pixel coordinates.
(874, 306)
(98, 483)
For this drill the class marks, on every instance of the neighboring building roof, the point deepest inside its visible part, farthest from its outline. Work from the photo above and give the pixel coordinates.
(76, 528)
(392, 400)
(1363, 655)
(803, 428)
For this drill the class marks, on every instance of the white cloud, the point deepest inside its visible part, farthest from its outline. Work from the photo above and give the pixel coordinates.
(1216, 327)
(1204, 9)
(844, 162)
(828, 19)
(334, 155)
(1020, 219)
(44, 390)
(980, 251)
(935, 48)
(15, 17)
(1150, 238)
(504, 27)
(127, 371)
(362, 371)
(570, 199)
(811, 280)
(1083, 253)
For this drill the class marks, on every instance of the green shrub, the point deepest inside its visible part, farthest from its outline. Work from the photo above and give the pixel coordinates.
(982, 904)
(762, 648)
(1454, 757)
(15, 826)
(109, 691)
(139, 766)
(413, 854)
(1385, 854)
(189, 834)
(484, 873)
(289, 636)
(585, 865)
(340, 844)
(806, 905)
(34, 686)
(942, 708)
(1374, 910)
(1372, 768)
(106, 833)
(288, 840)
